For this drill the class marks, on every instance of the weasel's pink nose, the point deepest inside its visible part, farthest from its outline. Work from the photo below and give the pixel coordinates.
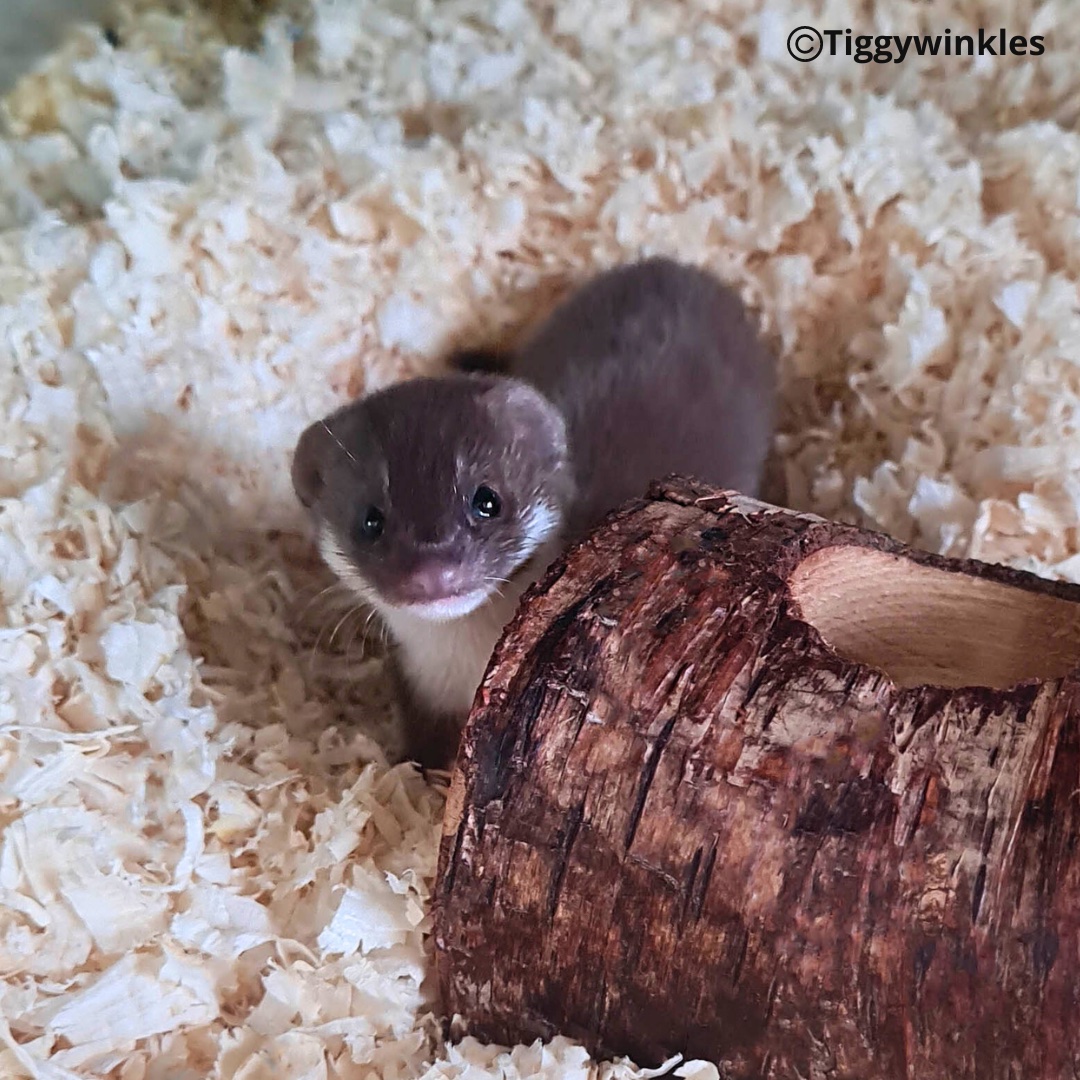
(433, 581)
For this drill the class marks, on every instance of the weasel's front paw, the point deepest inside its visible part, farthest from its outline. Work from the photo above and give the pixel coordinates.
(432, 742)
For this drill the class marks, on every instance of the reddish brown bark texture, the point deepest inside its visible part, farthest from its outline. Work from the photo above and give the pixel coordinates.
(682, 823)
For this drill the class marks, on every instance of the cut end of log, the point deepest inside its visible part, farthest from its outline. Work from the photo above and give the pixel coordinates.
(920, 625)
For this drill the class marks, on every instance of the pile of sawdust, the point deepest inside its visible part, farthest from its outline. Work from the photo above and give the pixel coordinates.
(207, 868)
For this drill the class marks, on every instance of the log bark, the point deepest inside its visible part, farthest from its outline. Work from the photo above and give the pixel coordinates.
(777, 793)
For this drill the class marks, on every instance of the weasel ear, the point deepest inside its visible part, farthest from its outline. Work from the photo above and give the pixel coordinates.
(534, 420)
(309, 462)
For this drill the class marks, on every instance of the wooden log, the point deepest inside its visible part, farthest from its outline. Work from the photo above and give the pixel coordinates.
(777, 793)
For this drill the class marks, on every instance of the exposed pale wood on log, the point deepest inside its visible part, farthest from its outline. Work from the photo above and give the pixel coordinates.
(682, 822)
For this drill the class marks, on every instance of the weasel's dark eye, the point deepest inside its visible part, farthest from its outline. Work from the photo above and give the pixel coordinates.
(370, 525)
(485, 503)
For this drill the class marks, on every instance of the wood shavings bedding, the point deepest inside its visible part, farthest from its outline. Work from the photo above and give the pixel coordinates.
(208, 868)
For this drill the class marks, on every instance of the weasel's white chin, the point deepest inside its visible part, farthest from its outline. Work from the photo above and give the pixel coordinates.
(453, 607)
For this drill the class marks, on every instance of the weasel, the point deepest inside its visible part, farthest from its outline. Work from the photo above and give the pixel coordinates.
(440, 499)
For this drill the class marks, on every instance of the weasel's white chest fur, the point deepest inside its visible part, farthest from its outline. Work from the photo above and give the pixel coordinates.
(445, 661)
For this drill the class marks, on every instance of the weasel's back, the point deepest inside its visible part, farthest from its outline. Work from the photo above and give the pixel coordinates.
(658, 368)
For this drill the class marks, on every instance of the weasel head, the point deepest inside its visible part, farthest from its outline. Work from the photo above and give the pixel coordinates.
(430, 495)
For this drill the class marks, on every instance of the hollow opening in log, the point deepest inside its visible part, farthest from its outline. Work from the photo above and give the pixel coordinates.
(920, 625)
